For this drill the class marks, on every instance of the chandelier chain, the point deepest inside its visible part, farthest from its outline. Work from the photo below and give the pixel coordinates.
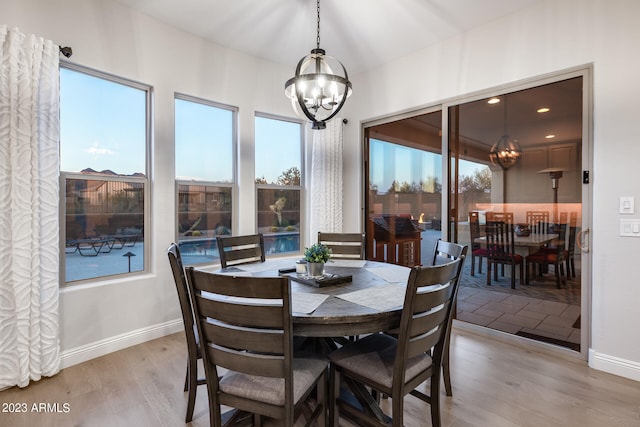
(318, 29)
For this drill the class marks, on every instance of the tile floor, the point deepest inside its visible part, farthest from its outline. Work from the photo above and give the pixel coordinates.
(514, 313)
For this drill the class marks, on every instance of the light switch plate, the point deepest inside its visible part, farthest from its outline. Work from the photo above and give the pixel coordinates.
(630, 227)
(627, 205)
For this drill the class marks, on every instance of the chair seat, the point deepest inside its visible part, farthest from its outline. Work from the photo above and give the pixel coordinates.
(480, 252)
(544, 257)
(373, 357)
(306, 371)
(512, 258)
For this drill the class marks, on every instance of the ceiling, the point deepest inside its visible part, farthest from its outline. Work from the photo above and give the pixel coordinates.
(362, 34)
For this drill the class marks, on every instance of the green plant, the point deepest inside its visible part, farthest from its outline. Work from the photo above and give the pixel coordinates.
(317, 253)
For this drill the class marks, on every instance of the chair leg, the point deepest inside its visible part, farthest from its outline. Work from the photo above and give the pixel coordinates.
(473, 264)
(435, 399)
(446, 372)
(192, 371)
(334, 393)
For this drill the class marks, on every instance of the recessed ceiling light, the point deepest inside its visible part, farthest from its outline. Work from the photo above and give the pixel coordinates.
(544, 109)
(550, 136)
(493, 101)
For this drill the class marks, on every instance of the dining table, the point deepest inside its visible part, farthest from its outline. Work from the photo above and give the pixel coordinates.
(363, 296)
(527, 244)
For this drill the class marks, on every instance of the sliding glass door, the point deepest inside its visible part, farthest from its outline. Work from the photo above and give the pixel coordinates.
(404, 189)
(515, 157)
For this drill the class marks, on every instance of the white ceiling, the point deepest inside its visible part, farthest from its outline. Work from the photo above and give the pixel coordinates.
(362, 34)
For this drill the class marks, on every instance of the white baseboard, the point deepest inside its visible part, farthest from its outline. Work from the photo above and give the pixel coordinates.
(109, 345)
(614, 365)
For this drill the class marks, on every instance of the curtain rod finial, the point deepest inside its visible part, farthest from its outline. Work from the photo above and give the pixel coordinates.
(66, 51)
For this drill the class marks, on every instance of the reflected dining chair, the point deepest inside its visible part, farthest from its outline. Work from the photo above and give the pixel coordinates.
(501, 250)
(236, 250)
(477, 249)
(246, 335)
(446, 252)
(555, 256)
(537, 221)
(397, 366)
(193, 345)
(343, 245)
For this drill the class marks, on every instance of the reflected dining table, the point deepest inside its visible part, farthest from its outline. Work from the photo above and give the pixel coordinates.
(370, 302)
(528, 244)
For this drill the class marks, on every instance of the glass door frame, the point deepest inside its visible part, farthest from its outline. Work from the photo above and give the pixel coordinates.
(450, 163)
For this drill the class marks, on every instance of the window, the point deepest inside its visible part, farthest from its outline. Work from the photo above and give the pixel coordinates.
(204, 143)
(104, 134)
(278, 177)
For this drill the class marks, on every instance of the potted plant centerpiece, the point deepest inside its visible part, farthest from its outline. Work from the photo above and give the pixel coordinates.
(315, 256)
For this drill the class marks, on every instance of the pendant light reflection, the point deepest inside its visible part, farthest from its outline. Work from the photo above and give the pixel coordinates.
(320, 86)
(506, 152)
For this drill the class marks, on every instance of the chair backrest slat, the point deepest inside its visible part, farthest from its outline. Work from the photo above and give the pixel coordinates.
(244, 249)
(265, 365)
(266, 316)
(344, 245)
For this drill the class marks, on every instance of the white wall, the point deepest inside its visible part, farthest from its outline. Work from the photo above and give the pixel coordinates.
(110, 37)
(548, 37)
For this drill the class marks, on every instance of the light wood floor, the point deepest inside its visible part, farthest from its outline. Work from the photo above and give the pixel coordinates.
(495, 384)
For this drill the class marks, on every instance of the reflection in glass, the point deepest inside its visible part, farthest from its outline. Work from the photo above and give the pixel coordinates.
(204, 212)
(279, 219)
(104, 223)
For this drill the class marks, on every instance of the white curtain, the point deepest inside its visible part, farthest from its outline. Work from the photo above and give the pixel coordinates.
(29, 197)
(326, 180)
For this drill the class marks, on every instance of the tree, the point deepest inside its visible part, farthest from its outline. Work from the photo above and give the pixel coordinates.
(289, 177)
(480, 181)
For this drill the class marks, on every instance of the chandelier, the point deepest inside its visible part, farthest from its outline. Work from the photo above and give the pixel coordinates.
(505, 152)
(316, 92)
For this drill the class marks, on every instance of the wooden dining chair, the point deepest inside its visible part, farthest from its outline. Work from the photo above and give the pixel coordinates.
(236, 250)
(500, 216)
(501, 250)
(478, 250)
(537, 221)
(343, 245)
(546, 257)
(193, 345)
(246, 328)
(446, 252)
(397, 366)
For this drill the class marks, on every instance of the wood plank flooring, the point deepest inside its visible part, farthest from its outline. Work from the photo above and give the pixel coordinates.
(495, 384)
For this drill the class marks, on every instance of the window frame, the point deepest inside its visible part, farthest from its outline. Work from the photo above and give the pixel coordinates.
(145, 181)
(207, 183)
(300, 188)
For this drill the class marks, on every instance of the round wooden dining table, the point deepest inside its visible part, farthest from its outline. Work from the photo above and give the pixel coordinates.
(369, 301)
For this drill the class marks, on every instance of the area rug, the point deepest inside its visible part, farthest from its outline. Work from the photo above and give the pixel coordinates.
(571, 345)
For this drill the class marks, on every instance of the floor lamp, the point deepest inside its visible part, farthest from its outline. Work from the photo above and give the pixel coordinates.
(555, 174)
